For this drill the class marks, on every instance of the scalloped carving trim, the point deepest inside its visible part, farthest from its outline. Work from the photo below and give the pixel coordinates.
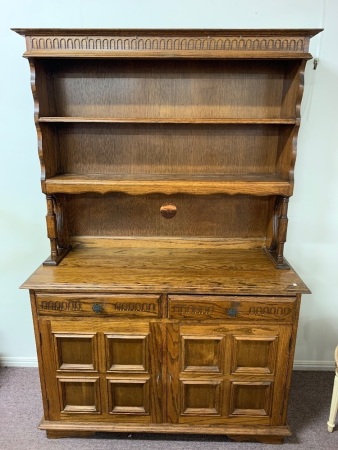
(119, 43)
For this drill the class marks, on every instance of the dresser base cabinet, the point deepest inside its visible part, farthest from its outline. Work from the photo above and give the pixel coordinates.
(177, 360)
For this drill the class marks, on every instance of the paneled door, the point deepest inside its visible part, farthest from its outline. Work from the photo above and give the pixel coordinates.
(223, 374)
(103, 369)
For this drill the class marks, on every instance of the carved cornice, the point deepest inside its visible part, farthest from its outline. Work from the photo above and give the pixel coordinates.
(150, 43)
(213, 43)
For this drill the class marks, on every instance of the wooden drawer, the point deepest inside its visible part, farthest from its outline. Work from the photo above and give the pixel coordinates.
(204, 307)
(119, 305)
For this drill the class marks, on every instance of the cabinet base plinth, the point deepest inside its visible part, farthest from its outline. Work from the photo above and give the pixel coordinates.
(261, 439)
(56, 434)
(263, 434)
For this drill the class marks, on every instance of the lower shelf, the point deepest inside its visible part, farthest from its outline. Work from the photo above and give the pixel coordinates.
(258, 185)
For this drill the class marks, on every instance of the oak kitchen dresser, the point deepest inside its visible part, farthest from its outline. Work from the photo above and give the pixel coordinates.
(167, 161)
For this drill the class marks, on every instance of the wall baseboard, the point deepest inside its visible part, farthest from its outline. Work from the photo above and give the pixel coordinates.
(314, 365)
(298, 365)
(18, 361)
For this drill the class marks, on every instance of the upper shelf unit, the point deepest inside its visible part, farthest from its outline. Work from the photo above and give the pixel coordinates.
(167, 111)
(150, 116)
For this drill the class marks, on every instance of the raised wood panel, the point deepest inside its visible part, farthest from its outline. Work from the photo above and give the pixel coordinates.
(201, 397)
(254, 355)
(202, 354)
(128, 396)
(127, 353)
(76, 352)
(79, 395)
(250, 398)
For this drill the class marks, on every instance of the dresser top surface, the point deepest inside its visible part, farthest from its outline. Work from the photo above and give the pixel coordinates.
(126, 267)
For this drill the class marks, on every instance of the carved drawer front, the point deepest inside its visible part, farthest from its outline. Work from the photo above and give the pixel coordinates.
(118, 305)
(232, 308)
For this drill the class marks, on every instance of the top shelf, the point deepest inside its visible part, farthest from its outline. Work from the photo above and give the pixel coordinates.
(221, 121)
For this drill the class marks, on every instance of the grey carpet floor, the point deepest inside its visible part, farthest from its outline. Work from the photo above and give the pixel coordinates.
(21, 411)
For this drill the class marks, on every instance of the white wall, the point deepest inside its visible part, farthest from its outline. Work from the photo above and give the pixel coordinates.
(312, 246)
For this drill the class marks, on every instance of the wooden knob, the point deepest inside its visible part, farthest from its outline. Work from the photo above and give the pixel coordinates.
(168, 210)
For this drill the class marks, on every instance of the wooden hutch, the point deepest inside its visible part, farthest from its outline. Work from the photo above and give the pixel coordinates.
(167, 159)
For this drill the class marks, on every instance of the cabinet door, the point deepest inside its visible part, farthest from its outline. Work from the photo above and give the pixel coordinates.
(102, 370)
(223, 374)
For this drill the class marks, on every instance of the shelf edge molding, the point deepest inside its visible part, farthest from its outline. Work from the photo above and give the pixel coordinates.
(79, 185)
(162, 120)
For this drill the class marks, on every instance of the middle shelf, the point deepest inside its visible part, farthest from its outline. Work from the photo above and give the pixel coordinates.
(168, 120)
(198, 184)
(141, 158)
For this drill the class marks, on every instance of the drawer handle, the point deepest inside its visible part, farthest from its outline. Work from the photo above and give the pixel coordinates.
(168, 210)
(97, 308)
(232, 312)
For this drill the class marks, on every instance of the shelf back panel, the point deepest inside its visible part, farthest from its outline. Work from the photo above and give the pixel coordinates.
(167, 88)
(212, 216)
(163, 149)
